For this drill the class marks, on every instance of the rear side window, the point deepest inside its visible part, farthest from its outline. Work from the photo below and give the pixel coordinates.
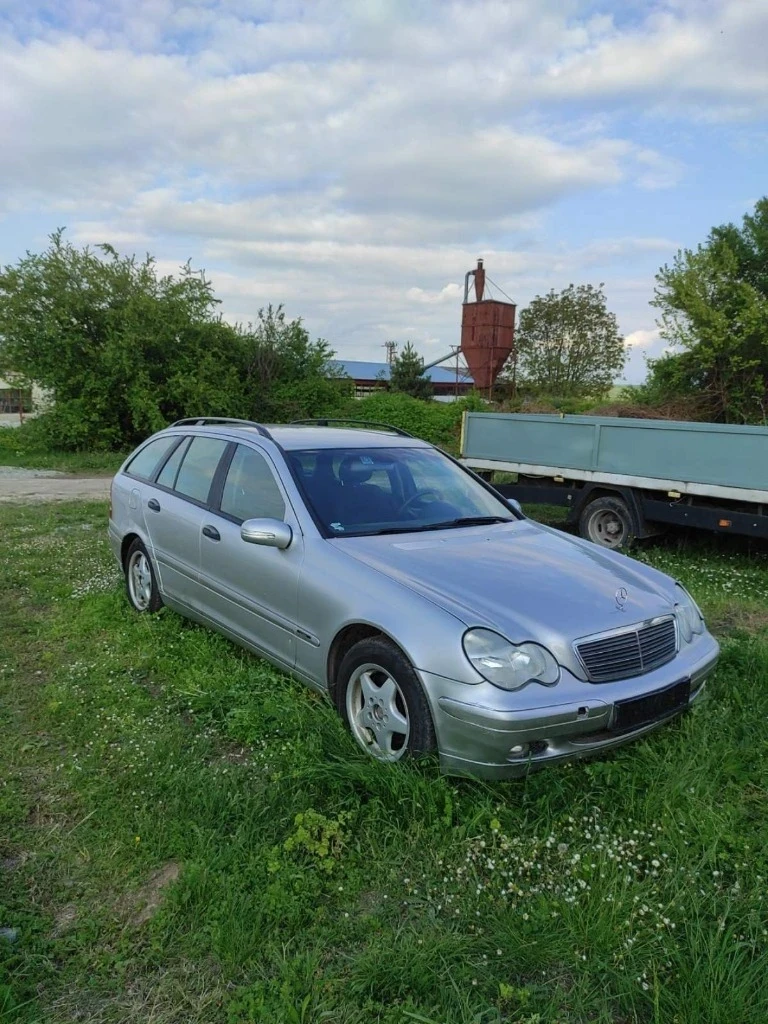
(149, 458)
(250, 490)
(199, 466)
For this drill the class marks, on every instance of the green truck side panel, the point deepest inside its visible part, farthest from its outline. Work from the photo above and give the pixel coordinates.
(706, 453)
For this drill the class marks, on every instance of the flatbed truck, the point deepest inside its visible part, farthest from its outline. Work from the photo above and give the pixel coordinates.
(622, 479)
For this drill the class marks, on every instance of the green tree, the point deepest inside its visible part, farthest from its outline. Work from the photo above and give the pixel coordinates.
(407, 374)
(714, 311)
(122, 350)
(287, 375)
(568, 344)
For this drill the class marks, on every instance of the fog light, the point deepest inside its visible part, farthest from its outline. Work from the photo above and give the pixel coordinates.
(522, 751)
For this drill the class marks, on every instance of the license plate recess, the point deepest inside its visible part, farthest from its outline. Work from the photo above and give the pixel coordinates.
(639, 711)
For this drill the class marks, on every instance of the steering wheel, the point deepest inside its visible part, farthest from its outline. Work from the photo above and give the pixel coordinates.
(418, 496)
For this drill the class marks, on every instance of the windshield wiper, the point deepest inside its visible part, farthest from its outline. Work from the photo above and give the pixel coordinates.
(448, 525)
(479, 520)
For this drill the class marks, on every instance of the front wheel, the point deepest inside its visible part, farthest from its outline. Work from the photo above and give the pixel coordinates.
(381, 699)
(608, 521)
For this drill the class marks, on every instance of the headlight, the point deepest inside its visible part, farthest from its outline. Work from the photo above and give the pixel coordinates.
(508, 665)
(689, 619)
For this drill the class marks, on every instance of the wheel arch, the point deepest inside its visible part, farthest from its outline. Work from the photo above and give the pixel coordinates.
(628, 495)
(346, 638)
(125, 544)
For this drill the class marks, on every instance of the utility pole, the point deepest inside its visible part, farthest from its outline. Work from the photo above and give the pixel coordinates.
(391, 347)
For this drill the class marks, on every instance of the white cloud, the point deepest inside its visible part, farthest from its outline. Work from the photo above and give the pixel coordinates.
(352, 158)
(449, 293)
(642, 338)
(685, 52)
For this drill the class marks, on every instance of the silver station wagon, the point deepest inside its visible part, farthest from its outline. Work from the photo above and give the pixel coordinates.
(379, 570)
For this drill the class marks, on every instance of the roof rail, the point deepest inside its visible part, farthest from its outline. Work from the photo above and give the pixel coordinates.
(201, 421)
(357, 423)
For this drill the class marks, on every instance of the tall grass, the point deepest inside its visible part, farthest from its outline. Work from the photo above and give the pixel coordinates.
(189, 836)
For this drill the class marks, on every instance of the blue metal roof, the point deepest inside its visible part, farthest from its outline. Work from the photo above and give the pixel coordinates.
(360, 369)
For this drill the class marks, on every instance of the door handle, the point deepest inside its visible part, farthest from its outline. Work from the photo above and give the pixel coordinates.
(211, 532)
(154, 504)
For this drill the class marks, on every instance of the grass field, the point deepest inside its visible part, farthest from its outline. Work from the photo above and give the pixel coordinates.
(188, 836)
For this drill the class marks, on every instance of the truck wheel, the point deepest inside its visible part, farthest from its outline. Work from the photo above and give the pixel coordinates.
(607, 522)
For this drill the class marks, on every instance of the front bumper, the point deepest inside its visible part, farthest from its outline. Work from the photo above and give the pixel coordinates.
(479, 726)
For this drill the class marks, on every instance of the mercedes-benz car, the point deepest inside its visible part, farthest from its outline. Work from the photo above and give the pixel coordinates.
(433, 613)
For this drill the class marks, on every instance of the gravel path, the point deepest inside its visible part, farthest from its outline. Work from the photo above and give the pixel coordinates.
(19, 485)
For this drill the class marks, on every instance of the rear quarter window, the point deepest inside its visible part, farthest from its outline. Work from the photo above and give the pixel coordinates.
(167, 475)
(145, 462)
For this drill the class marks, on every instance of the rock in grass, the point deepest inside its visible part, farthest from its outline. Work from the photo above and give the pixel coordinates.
(9, 934)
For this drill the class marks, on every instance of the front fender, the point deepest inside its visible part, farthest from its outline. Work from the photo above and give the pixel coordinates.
(428, 635)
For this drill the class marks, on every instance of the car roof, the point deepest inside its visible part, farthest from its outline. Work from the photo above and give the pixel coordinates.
(293, 437)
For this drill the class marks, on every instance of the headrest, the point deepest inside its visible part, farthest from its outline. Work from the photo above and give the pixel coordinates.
(297, 466)
(356, 469)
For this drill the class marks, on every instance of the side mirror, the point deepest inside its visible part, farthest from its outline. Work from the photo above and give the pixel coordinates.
(269, 533)
(515, 505)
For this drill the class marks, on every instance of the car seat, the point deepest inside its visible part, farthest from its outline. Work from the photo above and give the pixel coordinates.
(361, 502)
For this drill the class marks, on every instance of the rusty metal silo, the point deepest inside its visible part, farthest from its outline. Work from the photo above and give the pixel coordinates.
(487, 331)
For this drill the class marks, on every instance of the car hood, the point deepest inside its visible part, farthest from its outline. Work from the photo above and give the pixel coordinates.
(524, 580)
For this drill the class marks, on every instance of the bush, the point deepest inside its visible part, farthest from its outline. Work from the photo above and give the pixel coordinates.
(16, 439)
(123, 351)
(544, 403)
(306, 399)
(436, 422)
(30, 447)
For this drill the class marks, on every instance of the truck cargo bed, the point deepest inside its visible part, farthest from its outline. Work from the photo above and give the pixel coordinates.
(710, 459)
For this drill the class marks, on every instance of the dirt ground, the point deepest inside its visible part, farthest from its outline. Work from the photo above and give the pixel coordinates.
(21, 485)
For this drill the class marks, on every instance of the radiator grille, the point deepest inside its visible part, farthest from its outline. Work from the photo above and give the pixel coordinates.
(629, 653)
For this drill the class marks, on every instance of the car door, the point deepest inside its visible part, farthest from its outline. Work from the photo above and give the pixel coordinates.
(252, 591)
(173, 512)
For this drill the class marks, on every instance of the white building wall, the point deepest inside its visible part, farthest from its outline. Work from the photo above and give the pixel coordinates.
(13, 419)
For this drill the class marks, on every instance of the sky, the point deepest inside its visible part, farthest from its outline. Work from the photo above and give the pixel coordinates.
(351, 159)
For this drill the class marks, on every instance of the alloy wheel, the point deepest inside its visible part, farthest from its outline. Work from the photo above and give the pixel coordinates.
(378, 713)
(140, 580)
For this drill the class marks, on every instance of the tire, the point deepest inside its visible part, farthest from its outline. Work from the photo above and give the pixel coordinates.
(141, 579)
(609, 522)
(381, 700)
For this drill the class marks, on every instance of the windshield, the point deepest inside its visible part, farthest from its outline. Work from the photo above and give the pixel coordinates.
(356, 491)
